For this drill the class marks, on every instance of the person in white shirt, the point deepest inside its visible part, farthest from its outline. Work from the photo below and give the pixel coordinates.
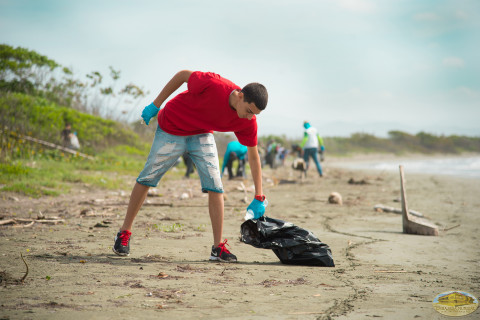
(310, 144)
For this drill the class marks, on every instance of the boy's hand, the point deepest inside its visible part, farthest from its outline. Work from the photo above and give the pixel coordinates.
(257, 207)
(149, 112)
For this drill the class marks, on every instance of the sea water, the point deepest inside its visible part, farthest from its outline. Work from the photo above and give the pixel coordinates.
(468, 167)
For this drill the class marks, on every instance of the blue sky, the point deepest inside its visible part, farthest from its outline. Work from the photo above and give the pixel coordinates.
(345, 65)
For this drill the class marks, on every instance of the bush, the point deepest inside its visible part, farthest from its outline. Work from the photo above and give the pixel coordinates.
(37, 117)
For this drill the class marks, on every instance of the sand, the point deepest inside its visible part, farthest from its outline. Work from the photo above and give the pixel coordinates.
(380, 272)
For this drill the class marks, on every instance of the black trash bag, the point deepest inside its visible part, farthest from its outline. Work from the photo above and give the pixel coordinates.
(291, 244)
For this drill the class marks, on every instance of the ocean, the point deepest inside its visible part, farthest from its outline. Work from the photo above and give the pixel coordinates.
(467, 167)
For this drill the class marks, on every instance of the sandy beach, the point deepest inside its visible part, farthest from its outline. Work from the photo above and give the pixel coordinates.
(379, 271)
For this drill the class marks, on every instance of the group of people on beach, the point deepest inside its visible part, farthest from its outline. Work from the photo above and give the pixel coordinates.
(185, 128)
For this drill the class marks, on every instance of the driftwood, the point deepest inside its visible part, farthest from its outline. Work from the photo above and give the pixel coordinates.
(52, 145)
(390, 271)
(384, 208)
(9, 221)
(411, 224)
(18, 222)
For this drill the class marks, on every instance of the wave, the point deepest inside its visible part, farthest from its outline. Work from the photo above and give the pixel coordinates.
(458, 166)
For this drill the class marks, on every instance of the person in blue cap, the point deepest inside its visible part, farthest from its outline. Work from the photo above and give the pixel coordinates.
(310, 144)
(235, 151)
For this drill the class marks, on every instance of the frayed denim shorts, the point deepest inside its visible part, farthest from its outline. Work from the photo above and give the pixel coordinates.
(167, 148)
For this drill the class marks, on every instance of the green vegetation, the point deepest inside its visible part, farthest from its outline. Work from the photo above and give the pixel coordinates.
(401, 143)
(176, 227)
(26, 71)
(40, 118)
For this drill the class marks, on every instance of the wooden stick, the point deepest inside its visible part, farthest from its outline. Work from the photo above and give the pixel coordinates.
(446, 229)
(50, 221)
(26, 265)
(300, 313)
(9, 221)
(396, 210)
(24, 225)
(52, 145)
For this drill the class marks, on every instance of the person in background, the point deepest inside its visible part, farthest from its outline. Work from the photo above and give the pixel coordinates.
(310, 144)
(272, 150)
(235, 151)
(66, 132)
(69, 138)
(190, 168)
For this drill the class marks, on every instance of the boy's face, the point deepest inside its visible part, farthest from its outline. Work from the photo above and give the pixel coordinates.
(246, 110)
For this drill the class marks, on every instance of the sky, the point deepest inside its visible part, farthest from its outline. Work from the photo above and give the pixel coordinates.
(346, 66)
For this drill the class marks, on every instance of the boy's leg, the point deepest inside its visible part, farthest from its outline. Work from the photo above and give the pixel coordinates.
(204, 154)
(215, 208)
(163, 154)
(139, 193)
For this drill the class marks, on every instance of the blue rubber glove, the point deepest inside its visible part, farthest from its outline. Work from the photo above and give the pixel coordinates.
(257, 208)
(149, 112)
(322, 148)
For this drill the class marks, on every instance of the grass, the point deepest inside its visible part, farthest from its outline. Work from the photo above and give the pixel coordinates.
(169, 228)
(40, 175)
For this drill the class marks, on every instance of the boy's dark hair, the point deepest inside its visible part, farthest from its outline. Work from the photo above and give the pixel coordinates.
(256, 93)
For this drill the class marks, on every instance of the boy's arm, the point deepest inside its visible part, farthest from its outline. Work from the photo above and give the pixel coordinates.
(178, 79)
(256, 168)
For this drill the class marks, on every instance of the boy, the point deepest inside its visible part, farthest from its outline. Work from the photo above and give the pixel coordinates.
(186, 124)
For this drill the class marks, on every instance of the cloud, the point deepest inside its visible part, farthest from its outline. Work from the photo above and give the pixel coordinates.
(427, 16)
(467, 92)
(354, 92)
(462, 15)
(363, 6)
(453, 62)
(386, 94)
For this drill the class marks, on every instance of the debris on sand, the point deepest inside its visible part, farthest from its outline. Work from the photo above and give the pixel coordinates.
(335, 198)
(353, 181)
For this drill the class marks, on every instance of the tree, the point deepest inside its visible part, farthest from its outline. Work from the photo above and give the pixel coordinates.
(23, 70)
(26, 71)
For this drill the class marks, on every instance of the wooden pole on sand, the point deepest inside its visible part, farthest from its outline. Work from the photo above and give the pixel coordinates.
(412, 224)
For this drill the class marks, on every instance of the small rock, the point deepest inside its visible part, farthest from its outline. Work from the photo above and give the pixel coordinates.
(100, 225)
(335, 198)
(152, 192)
(87, 212)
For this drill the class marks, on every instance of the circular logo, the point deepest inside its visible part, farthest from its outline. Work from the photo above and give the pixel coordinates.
(455, 303)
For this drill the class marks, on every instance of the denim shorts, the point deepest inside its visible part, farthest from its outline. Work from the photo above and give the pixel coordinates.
(167, 148)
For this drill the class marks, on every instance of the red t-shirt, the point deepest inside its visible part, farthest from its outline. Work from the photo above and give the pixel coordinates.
(204, 108)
